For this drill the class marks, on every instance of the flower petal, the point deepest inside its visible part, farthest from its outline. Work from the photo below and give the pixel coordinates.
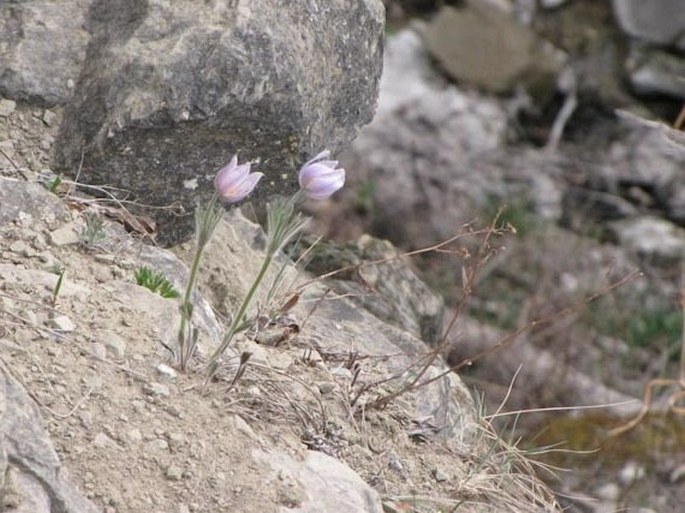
(241, 190)
(324, 154)
(325, 184)
(230, 175)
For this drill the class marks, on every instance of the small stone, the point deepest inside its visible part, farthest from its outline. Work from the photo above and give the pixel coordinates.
(631, 472)
(138, 405)
(677, 474)
(20, 247)
(157, 445)
(116, 346)
(395, 464)
(440, 476)
(7, 107)
(101, 440)
(98, 350)
(326, 388)
(166, 371)
(55, 352)
(156, 389)
(62, 323)
(134, 436)
(65, 236)
(174, 473)
(253, 390)
(609, 492)
(342, 372)
(49, 117)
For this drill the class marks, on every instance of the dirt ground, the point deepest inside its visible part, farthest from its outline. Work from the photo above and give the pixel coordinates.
(135, 435)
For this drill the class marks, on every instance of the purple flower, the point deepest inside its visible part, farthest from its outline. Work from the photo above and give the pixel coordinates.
(319, 178)
(234, 182)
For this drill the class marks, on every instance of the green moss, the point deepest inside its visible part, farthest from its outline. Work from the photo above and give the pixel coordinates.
(657, 436)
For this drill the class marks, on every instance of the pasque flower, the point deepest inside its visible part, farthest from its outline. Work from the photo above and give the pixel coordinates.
(234, 182)
(320, 178)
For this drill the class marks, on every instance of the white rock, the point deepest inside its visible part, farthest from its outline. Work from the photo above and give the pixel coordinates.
(156, 389)
(49, 117)
(7, 107)
(66, 235)
(631, 472)
(658, 21)
(116, 346)
(651, 237)
(101, 440)
(166, 371)
(62, 323)
(157, 445)
(609, 492)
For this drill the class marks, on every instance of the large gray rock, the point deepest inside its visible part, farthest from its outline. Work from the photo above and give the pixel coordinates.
(169, 91)
(482, 45)
(32, 480)
(437, 150)
(657, 21)
(656, 71)
(330, 484)
(42, 48)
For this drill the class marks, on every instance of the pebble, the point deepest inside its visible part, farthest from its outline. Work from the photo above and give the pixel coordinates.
(677, 474)
(98, 350)
(440, 476)
(7, 107)
(21, 248)
(138, 405)
(631, 472)
(157, 445)
(65, 236)
(134, 436)
(63, 323)
(174, 473)
(610, 492)
(342, 372)
(101, 440)
(116, 346)
(395, 463)
(166, 371)
(156, 389)
(326, 388)
(49, 117)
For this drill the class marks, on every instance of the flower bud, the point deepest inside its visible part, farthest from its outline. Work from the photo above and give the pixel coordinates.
(319, 178)
(234, 182)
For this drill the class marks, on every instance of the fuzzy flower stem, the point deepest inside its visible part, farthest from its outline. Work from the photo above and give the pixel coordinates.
(206, 220)
(238, 319)
(283, 223)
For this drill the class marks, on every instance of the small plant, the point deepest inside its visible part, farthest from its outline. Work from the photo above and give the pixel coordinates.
(59, 271)
(93, 231)
(319, 178)
(155, 282)
(54, 184)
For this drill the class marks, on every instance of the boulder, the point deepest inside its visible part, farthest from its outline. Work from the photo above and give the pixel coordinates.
(657, 21)
(43, 47)
(157, 95)
(375, 275)
(31, 471)
(656, 240)
(655, 71)
(484, 46)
